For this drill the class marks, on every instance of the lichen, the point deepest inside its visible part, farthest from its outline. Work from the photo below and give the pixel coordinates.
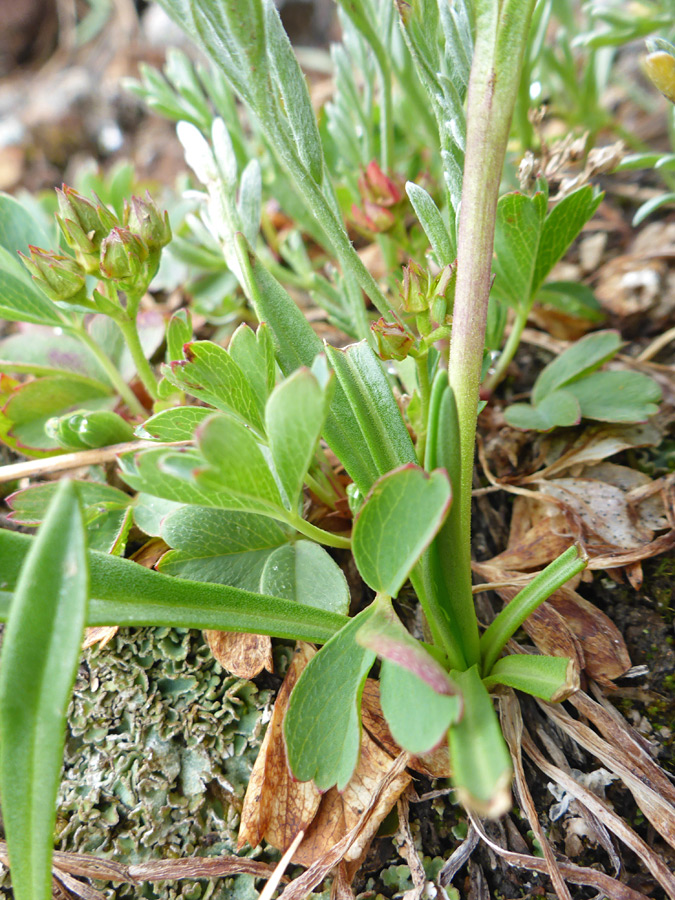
(159, 748)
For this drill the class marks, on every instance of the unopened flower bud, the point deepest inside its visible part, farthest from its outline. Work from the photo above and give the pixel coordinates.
(373, 218)
(84, 226)
(122, 256)
(660, 66)
(59, 277)
(144, 219)
(377, 187)
(393, 341)
(414, 288)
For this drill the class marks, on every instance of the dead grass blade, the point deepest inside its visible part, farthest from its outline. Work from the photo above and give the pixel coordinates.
(459, 857)
(282, 865)
(407, 849)
(605, 884)
(657, 809)
(302, 886)
(76, 887)
(615, 823)
(512, 727)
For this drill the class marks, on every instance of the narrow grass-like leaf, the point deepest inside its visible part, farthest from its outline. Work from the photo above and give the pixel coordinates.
(323, 723)
(418, 717)
(40, 653)
(306, 573)
(479, 757)
(125, 593)
(432, 222)
(509, 620)
(402, 513)
(294, 419)
(553, 678)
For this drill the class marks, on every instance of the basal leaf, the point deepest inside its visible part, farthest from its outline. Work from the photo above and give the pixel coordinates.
(418, 717)
(52, 350)
(30, 505)
(561, 227)
(125, 593)
(520, 220)
(108, 527)
(323, 723)
(40, 654)
(220, 546)
(237, 465)
(571, 298)
(21, 302)
(149, 512)
(402, 513)
(155, 472)
(19, 227)
(479, 757)
(253, 351)
(553, 678)
(210, 374)
(558, 409)
(582, 358)
(305, 572)
(617, 396)
(177, 424)
(385, 635)
(294, 418)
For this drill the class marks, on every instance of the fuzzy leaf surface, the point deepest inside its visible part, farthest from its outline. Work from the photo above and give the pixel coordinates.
(40, 654)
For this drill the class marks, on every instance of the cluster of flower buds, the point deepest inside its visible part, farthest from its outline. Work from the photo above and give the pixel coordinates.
(125, 252)
(393, 339)
(423, 292)
(378, 195)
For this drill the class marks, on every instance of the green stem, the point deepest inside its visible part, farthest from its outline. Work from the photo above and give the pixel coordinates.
(320, 491)
(133, 342)
(509, 350)
(441, 632)
(317, 534)
(116, 380)
(501, 35)
(525, 602)
(422, 363)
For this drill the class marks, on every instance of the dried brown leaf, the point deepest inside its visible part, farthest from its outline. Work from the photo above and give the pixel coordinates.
(276, 806)
(244, 655)
(99, 634)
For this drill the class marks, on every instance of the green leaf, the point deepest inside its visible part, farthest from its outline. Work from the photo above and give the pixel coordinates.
(582, 358)
(50, 352)
(553, 678)
(560, 409)
(373, 405)
(418, 717)
(155, 472)
(520, 221)
(21, 302)
(297, 345)
(617, 396)
(294, 93)
(177, 424)
(237, 465)
(561, 227)
(108, 527)
(220, 546)
(402, 513)
(294, 418)
(253, 351)
(40, 654)
(19, 228)
(303, 571)
(509, 620)
(84, 430)
(249, 200)
(385, 635)
(30, 505)
(479, 757)
(149, 512)
(125, 593)
(178, 333)
(432, 222)
(323, 723)
(651, 205)
(30, 405)
(210, 374)
(571, 298)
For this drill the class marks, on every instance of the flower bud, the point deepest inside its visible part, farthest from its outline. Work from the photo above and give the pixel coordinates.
(84, 226)
(377, 187)
(393, 341)
(59, 277)
(144, 219)
(373, 218)
(122, 257)
(660, 66)
(414, 289)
